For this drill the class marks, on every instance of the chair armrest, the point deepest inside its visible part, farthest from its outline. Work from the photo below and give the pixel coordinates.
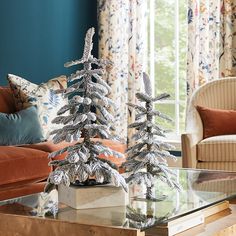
(189, 149)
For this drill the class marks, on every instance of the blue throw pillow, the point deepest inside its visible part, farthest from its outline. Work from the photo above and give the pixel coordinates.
(22, 127)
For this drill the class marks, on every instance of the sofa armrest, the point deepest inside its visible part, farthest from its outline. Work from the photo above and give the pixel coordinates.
(189, 149)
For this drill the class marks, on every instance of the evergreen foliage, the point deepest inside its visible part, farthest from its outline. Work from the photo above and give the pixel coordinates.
(146, 159)
(82, 161)
(141, 221)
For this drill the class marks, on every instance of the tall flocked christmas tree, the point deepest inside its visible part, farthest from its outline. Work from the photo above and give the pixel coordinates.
(82, 161)
(146, 159)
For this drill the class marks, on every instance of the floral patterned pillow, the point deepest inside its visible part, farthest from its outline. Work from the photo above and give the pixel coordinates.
(43, 96)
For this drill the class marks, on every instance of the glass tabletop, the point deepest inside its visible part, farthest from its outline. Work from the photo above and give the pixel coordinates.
(201, 188)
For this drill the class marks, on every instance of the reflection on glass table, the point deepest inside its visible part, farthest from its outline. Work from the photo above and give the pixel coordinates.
(201, 188)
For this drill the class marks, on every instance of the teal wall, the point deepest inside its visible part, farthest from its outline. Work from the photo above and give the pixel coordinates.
(38, 36)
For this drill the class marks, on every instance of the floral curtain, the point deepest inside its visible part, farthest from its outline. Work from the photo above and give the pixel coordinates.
(122, 39)
(211, 41)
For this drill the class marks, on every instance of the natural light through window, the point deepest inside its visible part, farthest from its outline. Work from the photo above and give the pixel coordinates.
(166, 59)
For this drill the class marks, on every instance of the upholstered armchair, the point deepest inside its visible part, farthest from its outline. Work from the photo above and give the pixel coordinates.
(216, 152)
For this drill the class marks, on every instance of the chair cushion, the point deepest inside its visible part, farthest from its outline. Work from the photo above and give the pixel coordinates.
(217, 149)
(215, 182)
(43, 96)
(22, 165)
(7, 104)
(217, 165)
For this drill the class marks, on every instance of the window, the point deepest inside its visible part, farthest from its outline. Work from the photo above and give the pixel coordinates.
(166, 59)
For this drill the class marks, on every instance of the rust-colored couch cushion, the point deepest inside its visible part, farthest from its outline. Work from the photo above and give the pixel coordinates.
(116, 146)
(20, 165)
(13, 191)
(49, 147)
(217, 121)
(7, 104)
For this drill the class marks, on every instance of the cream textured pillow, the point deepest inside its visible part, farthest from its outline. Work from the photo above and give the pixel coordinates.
(43, 96)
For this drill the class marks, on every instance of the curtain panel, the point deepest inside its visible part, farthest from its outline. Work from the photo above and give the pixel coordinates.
(211, 41)
(122, 37)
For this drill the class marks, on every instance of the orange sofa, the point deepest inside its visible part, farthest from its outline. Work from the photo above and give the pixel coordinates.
(24, 169)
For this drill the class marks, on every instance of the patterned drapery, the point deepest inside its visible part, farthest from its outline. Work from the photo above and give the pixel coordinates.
(122, 39)
(211, 41)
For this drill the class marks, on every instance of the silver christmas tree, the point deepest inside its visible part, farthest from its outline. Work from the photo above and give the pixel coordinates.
(146, 159)
(82, 161)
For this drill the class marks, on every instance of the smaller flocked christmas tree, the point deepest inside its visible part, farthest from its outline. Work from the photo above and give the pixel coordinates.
(146, 159)
(82, 161)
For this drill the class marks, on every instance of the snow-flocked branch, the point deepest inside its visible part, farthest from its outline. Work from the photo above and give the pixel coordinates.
(147, 158)
(81, 124)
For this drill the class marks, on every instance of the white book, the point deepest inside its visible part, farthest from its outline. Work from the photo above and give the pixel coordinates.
(187, 224)
(188, 221)
(178, 225)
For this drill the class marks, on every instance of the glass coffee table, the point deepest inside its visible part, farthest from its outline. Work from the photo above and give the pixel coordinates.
(41, 214)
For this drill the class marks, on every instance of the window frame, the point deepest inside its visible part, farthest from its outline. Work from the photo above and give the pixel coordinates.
(175, 136)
